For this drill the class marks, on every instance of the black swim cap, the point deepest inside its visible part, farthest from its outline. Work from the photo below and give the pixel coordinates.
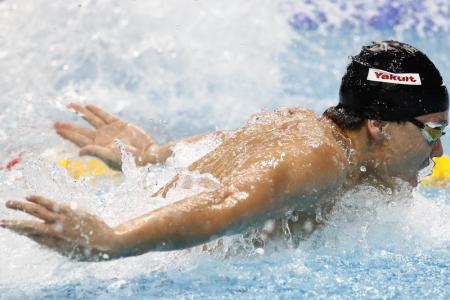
(392, 81)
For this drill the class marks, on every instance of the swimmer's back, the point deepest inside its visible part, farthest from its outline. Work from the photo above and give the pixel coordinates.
(269, 137)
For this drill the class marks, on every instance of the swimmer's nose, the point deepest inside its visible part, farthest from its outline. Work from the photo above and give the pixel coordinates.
(438, 150)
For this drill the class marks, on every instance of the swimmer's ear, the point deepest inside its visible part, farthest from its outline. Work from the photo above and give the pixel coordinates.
(377, 130)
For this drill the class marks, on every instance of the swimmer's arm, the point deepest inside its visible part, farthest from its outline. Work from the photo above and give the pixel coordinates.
(191, 221)
(265, 190)
(185, 223)
(242, 201)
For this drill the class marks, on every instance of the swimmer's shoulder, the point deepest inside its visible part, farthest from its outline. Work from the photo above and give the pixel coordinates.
(298, 112)
(283, 113)
(316, 146)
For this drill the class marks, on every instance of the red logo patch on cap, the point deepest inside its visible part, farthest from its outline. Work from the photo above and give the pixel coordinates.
(400, 78)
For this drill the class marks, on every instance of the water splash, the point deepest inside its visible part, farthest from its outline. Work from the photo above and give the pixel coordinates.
(179, 68)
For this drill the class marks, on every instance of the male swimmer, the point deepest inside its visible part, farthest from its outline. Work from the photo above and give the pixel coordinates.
(392, 112)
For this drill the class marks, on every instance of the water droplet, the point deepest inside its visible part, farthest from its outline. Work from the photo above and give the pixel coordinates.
(260, 251)
(269, 226)
(58, 227)
(308, 226)
(73, 205)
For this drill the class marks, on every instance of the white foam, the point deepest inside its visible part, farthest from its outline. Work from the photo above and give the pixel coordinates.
(174, 68)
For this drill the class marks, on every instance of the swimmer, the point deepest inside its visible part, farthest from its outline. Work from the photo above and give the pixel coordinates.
(392, 112)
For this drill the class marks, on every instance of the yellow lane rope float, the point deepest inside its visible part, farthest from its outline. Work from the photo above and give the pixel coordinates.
(85, 167)
(76, 167)
(441, 173)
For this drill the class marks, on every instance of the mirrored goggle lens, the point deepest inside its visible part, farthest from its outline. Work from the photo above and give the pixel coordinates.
(433, 134)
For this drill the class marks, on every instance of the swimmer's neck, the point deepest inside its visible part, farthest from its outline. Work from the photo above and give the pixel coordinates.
(364, 158)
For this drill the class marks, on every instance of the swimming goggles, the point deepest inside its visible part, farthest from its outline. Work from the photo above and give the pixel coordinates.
(431, 131)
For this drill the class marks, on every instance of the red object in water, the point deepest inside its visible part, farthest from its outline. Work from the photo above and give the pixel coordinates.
(12, 163)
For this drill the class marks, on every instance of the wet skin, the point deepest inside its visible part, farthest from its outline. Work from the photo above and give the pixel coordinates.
(397, 150)
(288, 159)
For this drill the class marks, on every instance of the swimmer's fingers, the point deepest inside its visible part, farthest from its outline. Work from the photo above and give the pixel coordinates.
(86, 114)
(111, 156)
(89, 133)
(49, 204)
(40, 233)
(33, 209)
(76, 138)
(26, 227)
(105, 116)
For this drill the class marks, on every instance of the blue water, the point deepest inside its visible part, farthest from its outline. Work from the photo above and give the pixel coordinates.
(328, 275)
(176, 69)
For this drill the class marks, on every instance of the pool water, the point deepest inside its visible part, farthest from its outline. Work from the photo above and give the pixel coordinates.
(179, 68)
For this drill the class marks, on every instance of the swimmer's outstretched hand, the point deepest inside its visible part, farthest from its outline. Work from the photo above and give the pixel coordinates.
(99, 141)
(70, 231)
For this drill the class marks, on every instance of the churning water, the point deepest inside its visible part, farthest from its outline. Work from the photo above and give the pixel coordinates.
(177, 68)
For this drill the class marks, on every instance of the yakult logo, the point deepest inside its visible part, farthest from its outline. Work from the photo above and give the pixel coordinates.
(401, 78)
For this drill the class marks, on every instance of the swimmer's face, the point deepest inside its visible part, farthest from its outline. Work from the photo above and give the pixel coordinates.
(406, 151)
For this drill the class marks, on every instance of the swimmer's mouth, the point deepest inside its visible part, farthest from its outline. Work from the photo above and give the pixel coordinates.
(426, 168)
(426, 163)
